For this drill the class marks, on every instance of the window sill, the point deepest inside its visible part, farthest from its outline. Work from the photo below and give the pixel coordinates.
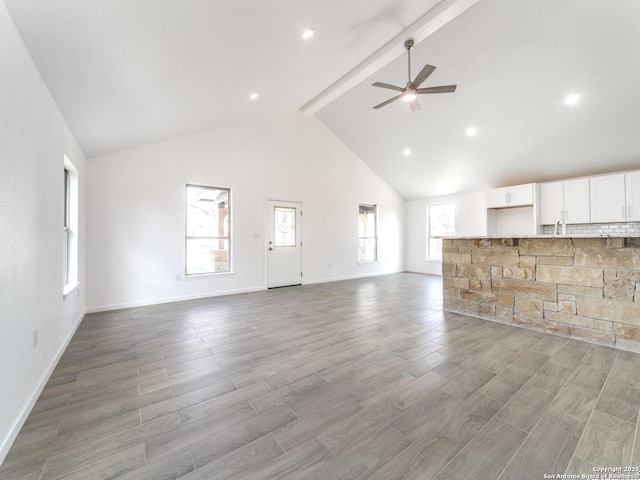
(68, 288)
(365, 262)
(199, 276)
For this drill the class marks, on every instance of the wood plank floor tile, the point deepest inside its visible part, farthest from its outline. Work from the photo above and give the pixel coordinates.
(567, 357)
(180, 402)
(619, 400)
(362, 424)
(466, 383)
(193, 432)
(601, 358)
(504, 385)
(247, 458)
(411, 393)
(525, 408)
(587, 380)
(431, 413)
(375, 392)
(300, 462)
(220, 444)
(328, 393)
(421, 460)
(115, 462)
(361, 460)
(289, 393)
(489, 452)
(530, 362)
(82, 420)
(606, 441)
(308, 369)
(422, 365)
(195, 413)
(167, 467)
(626, 372)
(547, 450)
(358, 379)
(550, 378)
(469, 418)
(312, 424)
(570, 411)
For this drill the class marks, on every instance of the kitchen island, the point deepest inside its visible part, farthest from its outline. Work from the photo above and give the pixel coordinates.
(584, 287)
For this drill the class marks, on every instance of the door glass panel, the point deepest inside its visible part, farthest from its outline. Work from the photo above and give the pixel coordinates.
(284, 234)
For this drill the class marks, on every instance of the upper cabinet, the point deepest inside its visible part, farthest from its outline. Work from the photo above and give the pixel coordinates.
(632, 187)
(608, 199)
(567, 201)
(516, 196)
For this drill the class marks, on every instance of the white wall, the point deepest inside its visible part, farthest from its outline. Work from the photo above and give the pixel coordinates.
(471, 219)
(135, 231)
(33, 141)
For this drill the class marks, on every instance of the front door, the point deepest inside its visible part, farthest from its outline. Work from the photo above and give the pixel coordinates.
(284, 248)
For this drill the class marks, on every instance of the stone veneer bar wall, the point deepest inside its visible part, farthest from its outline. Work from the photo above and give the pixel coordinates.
(585, 288)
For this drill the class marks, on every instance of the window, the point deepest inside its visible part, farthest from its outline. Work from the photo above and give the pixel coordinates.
(208, 240)
(441, 222)
(70, 228)
(368, 233)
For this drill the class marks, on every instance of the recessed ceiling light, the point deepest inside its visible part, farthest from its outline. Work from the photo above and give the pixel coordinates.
(572, 99)
(253, 96)
(308, 33)
(472, 131)
(406, 152)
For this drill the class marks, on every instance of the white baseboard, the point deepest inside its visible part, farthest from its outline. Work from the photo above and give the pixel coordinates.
(182, 298)
(8, 440)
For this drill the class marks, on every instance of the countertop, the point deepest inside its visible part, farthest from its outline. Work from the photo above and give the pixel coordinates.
(489, 237)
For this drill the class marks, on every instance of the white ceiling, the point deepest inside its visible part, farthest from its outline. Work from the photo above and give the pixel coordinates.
(125, 73)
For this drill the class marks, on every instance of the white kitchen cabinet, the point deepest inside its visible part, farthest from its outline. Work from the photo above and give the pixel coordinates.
(516, 196)
(568, 201)
(632, 184)
(608, 202)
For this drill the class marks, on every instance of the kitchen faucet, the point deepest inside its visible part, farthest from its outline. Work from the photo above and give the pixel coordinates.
(556, 228)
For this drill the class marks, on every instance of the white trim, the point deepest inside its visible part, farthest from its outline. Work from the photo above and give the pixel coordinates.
(8, 440)
(68, 288)
(159, 301)
(203, 276)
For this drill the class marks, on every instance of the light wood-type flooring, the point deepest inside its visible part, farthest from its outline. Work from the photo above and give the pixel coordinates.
(362, 379)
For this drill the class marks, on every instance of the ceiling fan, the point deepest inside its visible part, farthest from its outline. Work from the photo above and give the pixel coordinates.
(411, 91)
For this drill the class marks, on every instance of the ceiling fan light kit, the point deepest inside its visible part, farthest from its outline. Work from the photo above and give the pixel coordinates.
(411, 91)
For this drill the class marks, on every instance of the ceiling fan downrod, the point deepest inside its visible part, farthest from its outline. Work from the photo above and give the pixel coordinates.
(408, 45)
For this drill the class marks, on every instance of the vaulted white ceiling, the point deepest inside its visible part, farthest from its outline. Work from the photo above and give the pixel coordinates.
(126, 73)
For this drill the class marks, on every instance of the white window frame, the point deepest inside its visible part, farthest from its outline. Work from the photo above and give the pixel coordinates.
(375, 237)
(228, 237)
(434, 245)
(70, 240)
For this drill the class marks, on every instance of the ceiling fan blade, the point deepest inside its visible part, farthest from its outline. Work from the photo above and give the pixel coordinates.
(386, 85)
(415, 105)
(393, 99)
(441, 89)
(423, 75)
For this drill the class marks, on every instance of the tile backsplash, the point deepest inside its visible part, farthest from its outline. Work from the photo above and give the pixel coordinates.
(598, 229)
